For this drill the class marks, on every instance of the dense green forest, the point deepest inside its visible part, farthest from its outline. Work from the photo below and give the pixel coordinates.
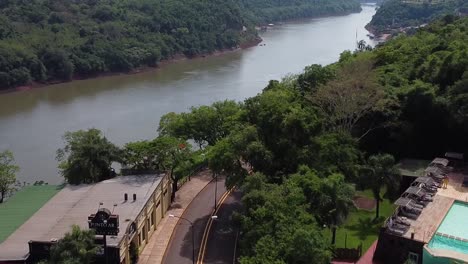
(56, 40)
(266, 11)
(395, 14)
(301, 148)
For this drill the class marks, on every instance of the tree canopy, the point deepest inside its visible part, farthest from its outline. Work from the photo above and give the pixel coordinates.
(87, 157)
(76, 247)
(8, 172)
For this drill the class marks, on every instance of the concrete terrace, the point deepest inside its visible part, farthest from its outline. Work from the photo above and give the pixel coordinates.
(72, 206)
(427, 223)
(425, 226)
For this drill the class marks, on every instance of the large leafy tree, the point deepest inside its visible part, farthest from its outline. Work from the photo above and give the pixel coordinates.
(142, 155)
(87, 157)
(76, 247)
(285, 125)
(277, 226)
(174, 156)
(330, 198)
(314, 76)
(350, 96)
(379, 172)
(335, 152)
(238, 153)
(205, 125)
(164, 153)
(8, 172)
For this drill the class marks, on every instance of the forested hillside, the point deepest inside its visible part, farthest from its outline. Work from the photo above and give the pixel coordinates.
(55, 40)
(309, 138)
(265, 11)
(394, 14)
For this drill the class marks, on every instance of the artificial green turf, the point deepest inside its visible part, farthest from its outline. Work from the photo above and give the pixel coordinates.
(19, 208)
(360, 226)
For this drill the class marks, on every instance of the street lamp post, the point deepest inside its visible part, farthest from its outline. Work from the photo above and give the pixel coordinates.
(216, 191)
(193, 235)
(213, 217)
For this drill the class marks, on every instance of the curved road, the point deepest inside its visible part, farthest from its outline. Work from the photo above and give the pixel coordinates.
(179, 250)
(222, 238)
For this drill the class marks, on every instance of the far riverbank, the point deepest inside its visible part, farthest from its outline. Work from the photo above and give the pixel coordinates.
(162, 63)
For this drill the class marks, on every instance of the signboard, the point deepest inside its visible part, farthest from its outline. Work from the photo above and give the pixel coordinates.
(104, 222)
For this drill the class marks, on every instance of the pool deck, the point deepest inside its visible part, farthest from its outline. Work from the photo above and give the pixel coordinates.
(432, 215)
(427, 223)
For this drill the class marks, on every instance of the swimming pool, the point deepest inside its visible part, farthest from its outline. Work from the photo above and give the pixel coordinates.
(441, 242)
(452, 233)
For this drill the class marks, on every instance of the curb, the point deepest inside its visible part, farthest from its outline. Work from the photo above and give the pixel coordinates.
(183, 212)
(201, 252)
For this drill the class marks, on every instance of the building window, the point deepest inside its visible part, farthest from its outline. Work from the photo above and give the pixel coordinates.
(139, 238)
(149, 224)
(152, 219)
(413, 258)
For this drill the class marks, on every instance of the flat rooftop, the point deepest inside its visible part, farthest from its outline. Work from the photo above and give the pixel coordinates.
(72, 206)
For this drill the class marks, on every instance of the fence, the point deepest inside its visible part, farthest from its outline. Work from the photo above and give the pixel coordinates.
(352, 254)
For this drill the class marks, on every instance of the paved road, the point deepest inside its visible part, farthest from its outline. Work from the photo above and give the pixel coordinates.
(222, 237)
(179, 250)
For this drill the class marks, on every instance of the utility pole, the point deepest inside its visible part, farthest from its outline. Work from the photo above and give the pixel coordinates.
(216, 192)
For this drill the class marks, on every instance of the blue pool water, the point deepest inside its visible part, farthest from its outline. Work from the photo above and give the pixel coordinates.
(440, 242)
(455, 224)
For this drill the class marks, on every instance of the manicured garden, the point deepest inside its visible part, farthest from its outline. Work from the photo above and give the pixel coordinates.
(19, 208)
(360, 226)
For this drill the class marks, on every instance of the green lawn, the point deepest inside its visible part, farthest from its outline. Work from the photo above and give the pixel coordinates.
(360, 227)
(17, 210)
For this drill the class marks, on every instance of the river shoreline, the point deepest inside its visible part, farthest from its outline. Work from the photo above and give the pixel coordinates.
(128, 108)
(176, 58)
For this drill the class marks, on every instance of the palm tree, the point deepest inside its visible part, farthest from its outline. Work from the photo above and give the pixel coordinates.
(380, 171)
(338, 200)
(76, 246)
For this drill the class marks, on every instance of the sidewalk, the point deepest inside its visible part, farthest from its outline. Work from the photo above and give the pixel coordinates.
(154, 251)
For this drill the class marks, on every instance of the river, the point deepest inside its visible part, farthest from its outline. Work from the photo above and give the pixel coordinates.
(128, 107)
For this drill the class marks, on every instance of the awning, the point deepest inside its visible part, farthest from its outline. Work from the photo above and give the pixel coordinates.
(454, 155)
(440, 161)
(425, 180)
(415, 191)
(403, 201)
(435, 171)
